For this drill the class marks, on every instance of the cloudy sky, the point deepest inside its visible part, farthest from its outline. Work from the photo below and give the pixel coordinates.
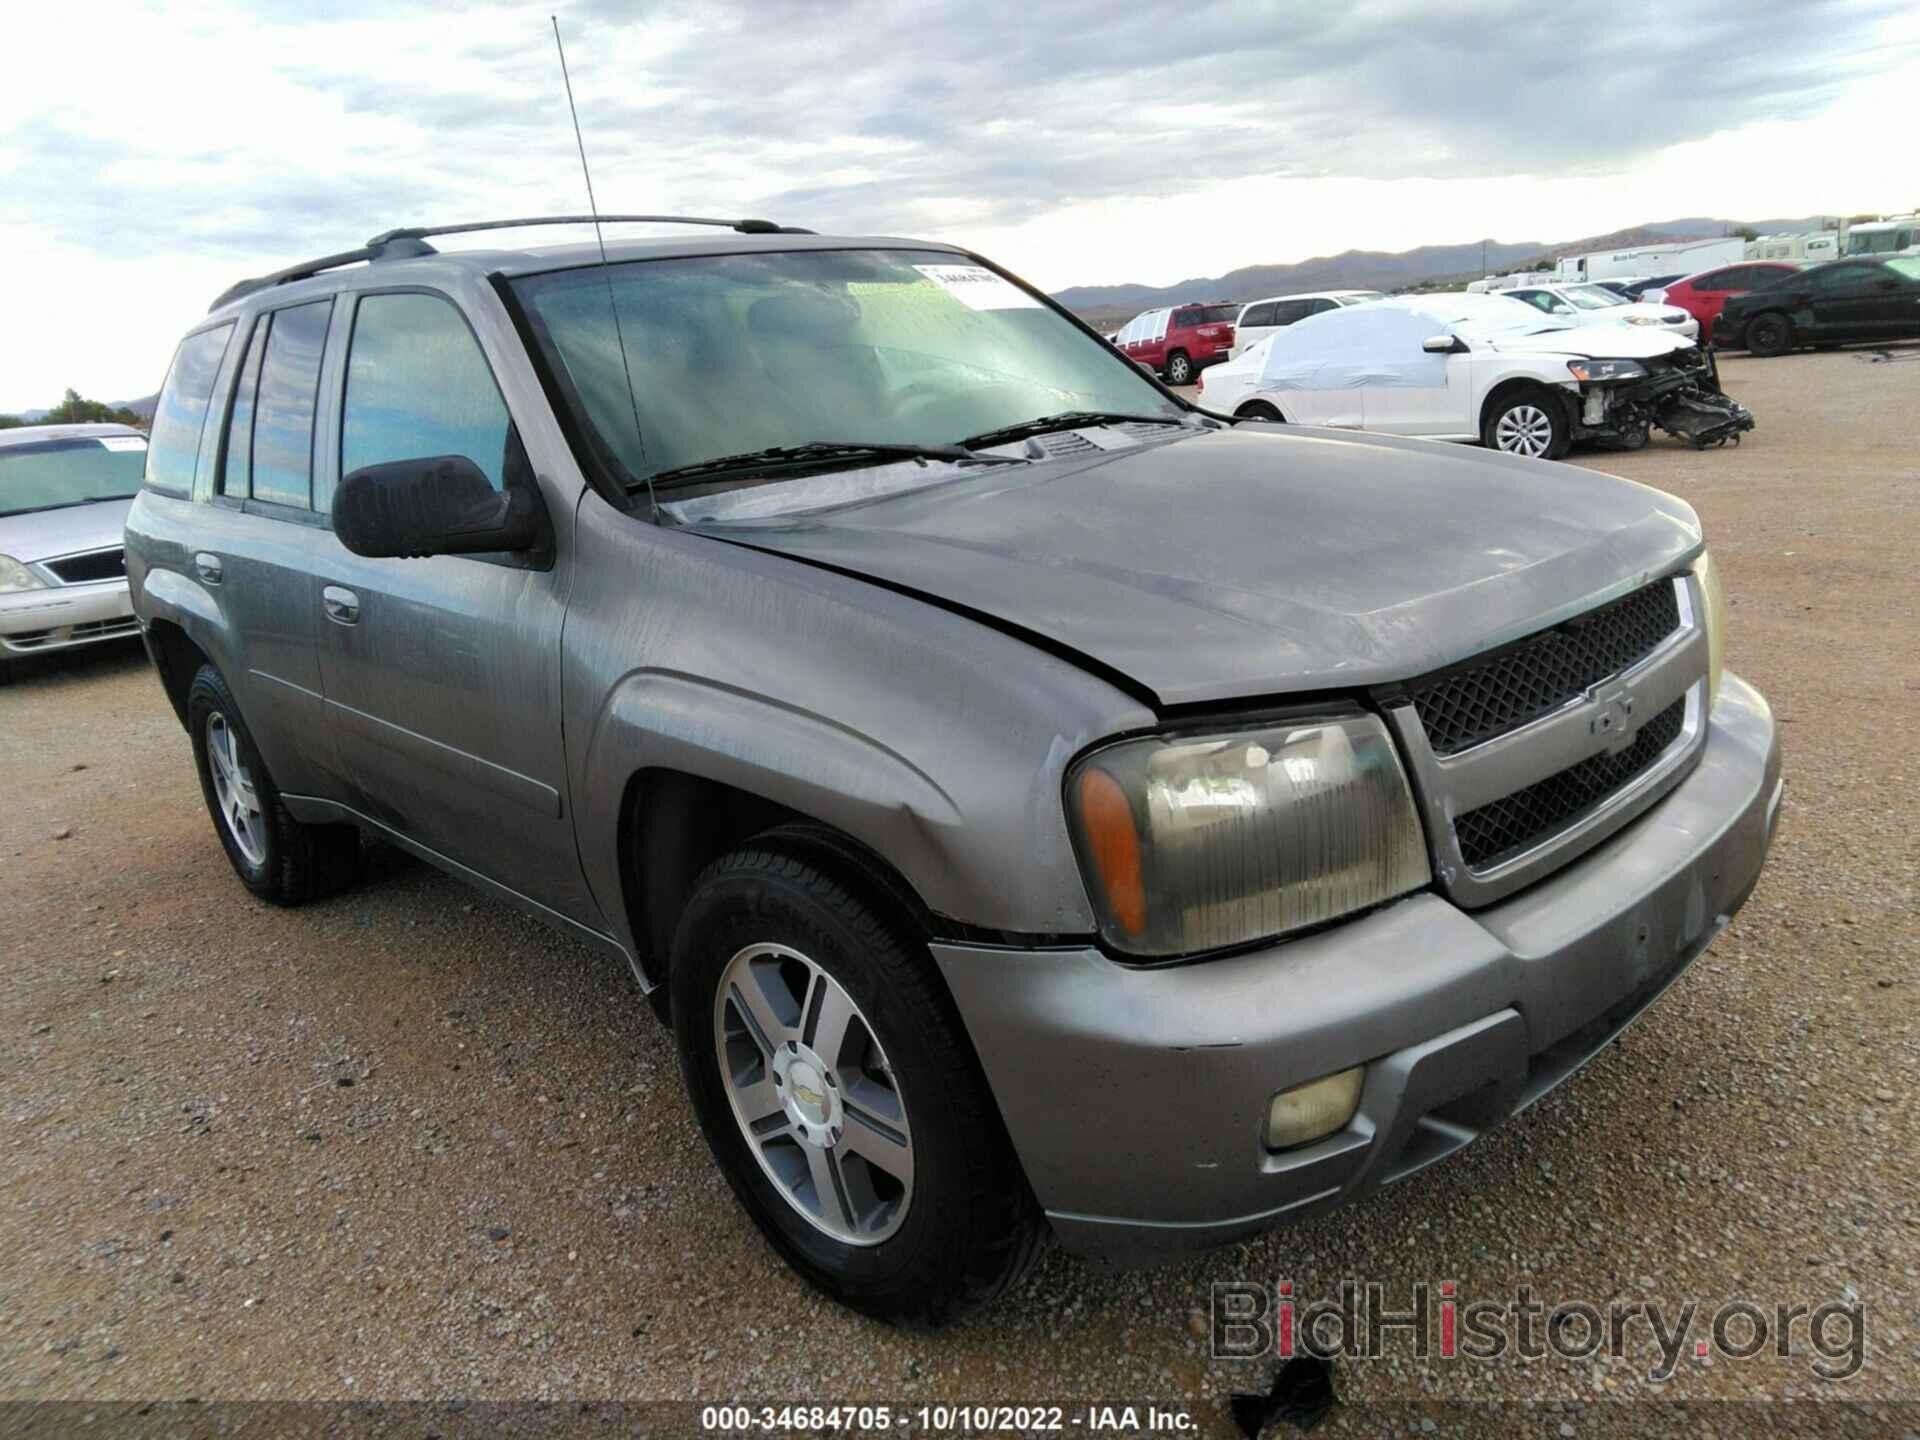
(149, 155)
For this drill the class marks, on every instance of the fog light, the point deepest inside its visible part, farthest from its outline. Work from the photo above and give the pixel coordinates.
(1314, 1109)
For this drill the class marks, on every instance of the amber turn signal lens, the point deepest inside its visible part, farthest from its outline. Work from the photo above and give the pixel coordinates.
(1107, 819)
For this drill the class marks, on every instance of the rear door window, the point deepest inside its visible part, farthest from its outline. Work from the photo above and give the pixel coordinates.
(236, 467)
(1258, 315)
(1288, 311)
(179, 415)
(418, 386)
(285, 401)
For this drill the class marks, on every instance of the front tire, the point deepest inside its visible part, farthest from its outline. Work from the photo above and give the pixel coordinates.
(1260, 410)
(1528, 422)
(831, 1075)
(1770, 334)
(1179, 368)
(276, 856)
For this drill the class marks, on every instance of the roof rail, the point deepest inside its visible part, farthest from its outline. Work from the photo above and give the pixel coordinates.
(411, 240)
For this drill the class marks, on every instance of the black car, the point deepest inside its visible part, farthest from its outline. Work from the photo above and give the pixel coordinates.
(1635, 289)
(1830, 304)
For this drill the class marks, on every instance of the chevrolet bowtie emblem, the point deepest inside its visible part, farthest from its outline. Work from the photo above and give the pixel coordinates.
(1612, 719)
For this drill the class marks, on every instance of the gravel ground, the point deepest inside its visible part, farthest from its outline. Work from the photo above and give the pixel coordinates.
(406, 1143)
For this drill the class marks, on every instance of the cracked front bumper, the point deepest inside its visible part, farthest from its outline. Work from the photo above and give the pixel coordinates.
(1136, 1097)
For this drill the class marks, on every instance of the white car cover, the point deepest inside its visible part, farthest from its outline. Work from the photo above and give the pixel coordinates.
(1352, 348)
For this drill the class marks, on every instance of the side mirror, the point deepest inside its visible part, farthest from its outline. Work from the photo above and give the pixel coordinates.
(1441, 345)
(440, 505)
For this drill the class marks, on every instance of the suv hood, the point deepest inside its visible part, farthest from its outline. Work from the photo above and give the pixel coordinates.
(1597, 342)
(1248, 563)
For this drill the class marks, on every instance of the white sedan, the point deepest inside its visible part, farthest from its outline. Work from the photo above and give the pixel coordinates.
(1466, 367)
(1596, 305)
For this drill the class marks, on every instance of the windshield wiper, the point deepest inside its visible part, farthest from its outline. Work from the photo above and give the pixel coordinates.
(66, 504)
(818, 452)
(1065, 420)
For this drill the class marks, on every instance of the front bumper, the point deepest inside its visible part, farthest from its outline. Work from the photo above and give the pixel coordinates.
(1136, 1097)
(60, 617)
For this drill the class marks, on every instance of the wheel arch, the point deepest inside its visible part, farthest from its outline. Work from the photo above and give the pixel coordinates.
(1519, 384)
(184, 630)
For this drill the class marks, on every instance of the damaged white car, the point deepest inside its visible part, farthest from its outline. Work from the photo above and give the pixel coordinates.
(1479, 367)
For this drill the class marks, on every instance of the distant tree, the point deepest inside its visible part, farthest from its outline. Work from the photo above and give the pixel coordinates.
(1861, 219)
(1746, 232)
(11, 422)
(76, 409)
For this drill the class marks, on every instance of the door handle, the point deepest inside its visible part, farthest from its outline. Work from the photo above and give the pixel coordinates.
(342, 606)
(208, 567)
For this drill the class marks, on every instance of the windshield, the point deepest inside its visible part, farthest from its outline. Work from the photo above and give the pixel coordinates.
(1497, 316)
(71, 470)
(1590, 297)
(1862, 241)
(732, 354)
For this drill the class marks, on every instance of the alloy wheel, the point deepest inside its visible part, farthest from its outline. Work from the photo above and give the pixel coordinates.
(233, 786)
(1524, 430)
(813, 1094)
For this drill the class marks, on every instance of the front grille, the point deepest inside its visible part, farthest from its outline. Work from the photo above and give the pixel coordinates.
(1493, 832)
(1494, 694)
(101, 565)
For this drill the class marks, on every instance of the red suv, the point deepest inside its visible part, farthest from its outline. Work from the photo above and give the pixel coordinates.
(1180, 340)
(1702, 295)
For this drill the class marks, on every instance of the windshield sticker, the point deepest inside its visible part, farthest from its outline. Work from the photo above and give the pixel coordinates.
(123, 442)
(978, 288)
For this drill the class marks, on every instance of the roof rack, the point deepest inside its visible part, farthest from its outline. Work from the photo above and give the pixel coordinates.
(411, 240)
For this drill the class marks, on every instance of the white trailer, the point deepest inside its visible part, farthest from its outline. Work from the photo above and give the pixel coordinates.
(1678, 257)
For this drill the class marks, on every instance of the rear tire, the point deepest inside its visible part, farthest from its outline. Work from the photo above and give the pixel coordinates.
(939, 1221)
(1769, 334)
(276, 856)
(1179, 368)
(1260, 410)
(1528, 422)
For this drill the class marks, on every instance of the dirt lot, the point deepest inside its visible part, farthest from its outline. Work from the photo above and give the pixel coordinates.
(407, 1144)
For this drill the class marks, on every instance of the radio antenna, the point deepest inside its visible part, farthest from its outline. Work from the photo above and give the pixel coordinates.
(606, 270)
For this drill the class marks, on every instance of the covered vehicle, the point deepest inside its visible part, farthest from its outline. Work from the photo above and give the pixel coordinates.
(64, 495)
(1480, 367)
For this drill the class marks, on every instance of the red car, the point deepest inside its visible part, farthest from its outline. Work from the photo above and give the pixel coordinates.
(1181, 340)
(1702, 295)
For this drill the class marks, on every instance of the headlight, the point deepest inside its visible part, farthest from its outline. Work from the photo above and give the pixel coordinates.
(1645, 320)
(1716, 599)
(1194, 843)
(1591, 370)
(15, 576)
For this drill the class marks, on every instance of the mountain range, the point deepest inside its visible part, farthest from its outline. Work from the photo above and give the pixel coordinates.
(1397, 270)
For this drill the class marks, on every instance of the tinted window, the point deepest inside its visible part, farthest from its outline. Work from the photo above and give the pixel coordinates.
(1717, 280)
(1288, 311)
(182, 409)
(237, 466)
(1214, 314)
(1842, 277)
(418, 386)
(1186, 317)
(284, 406)
(1320, 306)
(1258, 315)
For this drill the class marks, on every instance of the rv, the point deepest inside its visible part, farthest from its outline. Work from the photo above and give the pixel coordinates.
(1814, 245)
(1679, 257)
(1894, 235)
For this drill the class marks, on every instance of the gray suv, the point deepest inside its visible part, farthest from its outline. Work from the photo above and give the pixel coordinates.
(1041, 808)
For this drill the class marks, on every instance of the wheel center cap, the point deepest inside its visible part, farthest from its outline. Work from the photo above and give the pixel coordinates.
(809, 1092)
